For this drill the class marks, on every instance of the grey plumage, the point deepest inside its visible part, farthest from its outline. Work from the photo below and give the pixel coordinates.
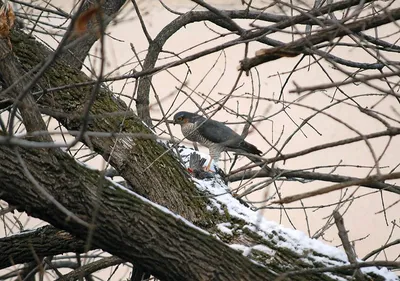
(216, 136)
(196, 164)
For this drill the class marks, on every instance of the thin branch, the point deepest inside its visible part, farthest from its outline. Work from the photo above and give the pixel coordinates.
(380, 249)
(293, 174)
(290, 199)
(391, 264)
(351, 255)
(305, 45)
(90, 268)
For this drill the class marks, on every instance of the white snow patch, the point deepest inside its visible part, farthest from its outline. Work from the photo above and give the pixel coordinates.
(154, 132)
(264, 249)
(242, 248)
(163, 142)
(217, 206)
(294, 240)
(325, 260)
(383, 271)
(23, 232)
(209, 208)
(224, 228)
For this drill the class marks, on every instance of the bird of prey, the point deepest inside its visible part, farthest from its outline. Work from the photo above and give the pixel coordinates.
(214, 135)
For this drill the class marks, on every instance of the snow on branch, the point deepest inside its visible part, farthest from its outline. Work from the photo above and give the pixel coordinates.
(267, 242)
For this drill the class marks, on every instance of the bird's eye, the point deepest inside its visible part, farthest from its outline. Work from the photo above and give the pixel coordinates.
(180, 118)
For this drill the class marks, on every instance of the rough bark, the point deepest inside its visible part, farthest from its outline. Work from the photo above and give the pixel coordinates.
(124, 225)
(42, 242)
(134, 159)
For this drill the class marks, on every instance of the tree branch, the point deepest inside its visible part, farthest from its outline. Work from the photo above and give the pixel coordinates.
(306, 44)
(351, 255)
(90, 268)
(126, 225)
(43, 241)
(313, 176)
(374, 178)
(133, 158)
(155, 47)
(76, 53)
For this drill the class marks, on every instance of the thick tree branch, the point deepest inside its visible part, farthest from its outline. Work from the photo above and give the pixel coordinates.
(135, 230)
(13, 75)
(42, 242)
(134, 159)
(126, 226)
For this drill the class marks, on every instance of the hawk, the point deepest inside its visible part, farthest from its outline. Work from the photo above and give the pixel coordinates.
(214, 135)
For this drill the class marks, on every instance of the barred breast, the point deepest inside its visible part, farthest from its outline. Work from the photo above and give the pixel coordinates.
(190, 133)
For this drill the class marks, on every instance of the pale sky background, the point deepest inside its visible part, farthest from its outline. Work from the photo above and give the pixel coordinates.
(361, 219)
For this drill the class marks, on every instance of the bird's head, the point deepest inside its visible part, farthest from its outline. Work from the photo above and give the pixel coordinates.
(184, 117)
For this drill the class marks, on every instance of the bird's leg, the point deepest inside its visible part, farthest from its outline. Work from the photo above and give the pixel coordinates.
(207, 168)
(214, 155)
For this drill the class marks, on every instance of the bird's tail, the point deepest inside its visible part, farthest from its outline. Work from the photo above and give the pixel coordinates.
(249, 148)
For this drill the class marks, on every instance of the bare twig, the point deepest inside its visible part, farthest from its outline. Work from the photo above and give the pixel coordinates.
(290, 199)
